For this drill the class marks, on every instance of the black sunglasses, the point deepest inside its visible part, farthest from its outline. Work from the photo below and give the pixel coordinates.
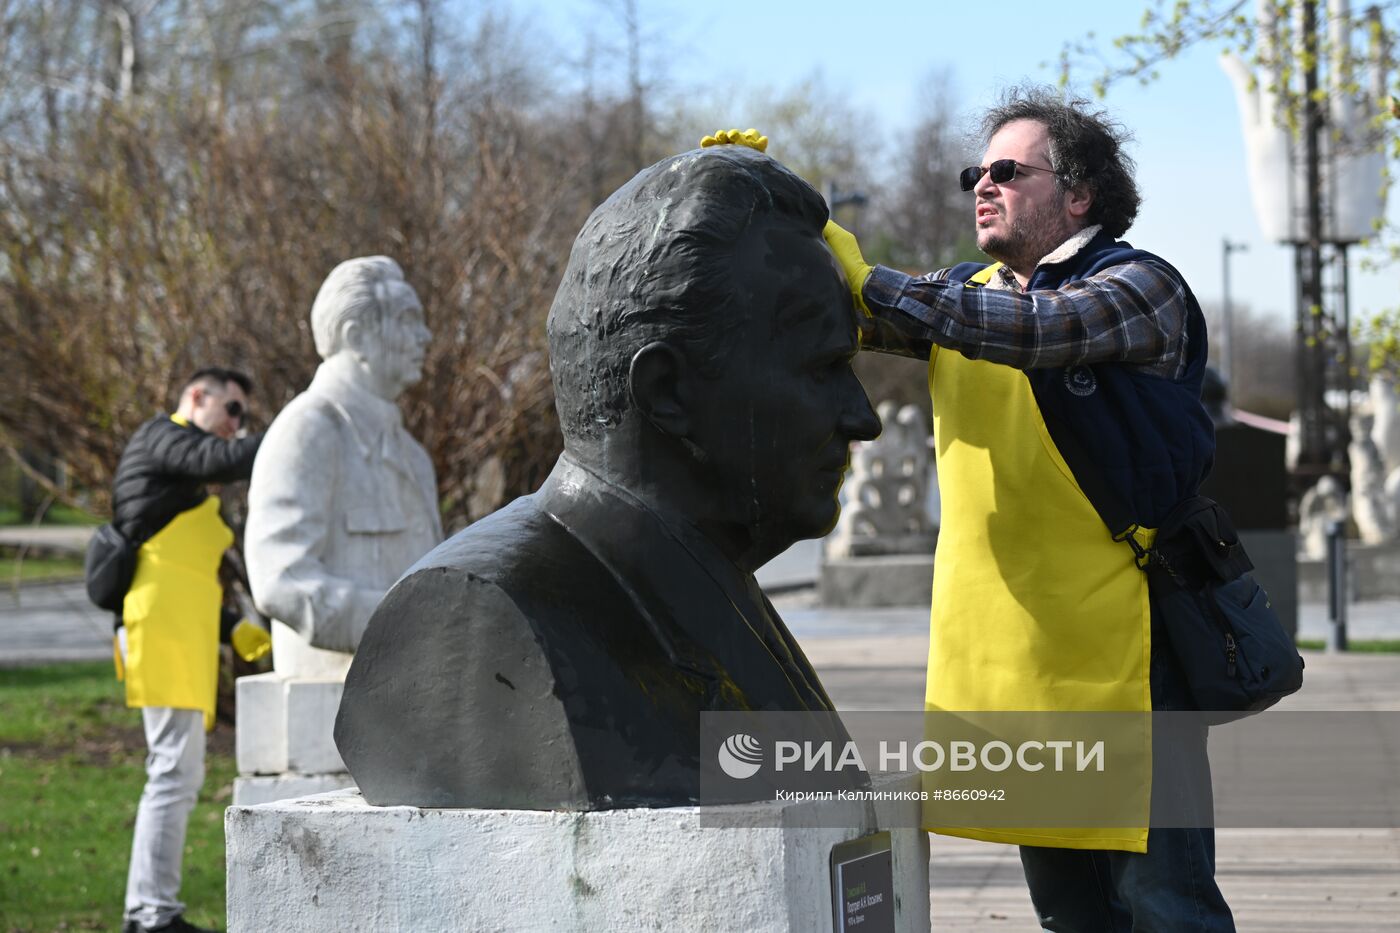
(1002, 171)
(235, 410)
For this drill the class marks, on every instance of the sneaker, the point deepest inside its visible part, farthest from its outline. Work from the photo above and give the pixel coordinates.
(178, 925)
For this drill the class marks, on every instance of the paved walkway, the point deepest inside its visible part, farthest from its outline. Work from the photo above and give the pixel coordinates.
(42, 623)
(72, 538)
(1290, 881)
(1368, 621)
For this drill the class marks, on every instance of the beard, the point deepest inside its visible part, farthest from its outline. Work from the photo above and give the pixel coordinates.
(1032, 236)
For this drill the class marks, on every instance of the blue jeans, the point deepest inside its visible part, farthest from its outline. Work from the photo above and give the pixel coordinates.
(1172, 886)
(174, 773)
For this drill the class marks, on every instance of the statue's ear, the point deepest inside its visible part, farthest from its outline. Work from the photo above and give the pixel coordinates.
(352, 337)
(655, 381)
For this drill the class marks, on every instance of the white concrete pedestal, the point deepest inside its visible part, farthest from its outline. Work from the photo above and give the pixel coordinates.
(284, 741)
(334, 863)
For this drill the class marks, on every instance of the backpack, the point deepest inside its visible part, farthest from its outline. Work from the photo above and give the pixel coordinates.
(109, 565)
(1223, 630)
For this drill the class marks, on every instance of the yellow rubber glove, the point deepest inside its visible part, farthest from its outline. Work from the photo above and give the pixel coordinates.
(749, 137)
(843, 243)
(250, 641)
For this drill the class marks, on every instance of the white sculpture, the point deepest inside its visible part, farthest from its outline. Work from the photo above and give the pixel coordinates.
(342, 501)
(1324, 503)
(1385, 429)
(342, 498)
(1353, 160)
(886, 509)
(1370, 508)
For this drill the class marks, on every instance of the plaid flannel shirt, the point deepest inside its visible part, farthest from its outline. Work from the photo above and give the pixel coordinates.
(1131, 313)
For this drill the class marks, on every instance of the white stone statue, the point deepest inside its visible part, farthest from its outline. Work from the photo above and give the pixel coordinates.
(342, 498)
(1385, 429)
(1325, 502)
(1391, 496)
(886, 510)
(1370, 508)
(1353, 159)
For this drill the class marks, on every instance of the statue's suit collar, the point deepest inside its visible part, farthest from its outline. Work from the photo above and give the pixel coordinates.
(374, 421)
(376, 424)
(689, 593)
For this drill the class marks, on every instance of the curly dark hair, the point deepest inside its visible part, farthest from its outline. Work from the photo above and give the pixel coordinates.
(1086, 147)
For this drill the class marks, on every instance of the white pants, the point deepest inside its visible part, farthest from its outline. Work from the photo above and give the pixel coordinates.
(174, 773)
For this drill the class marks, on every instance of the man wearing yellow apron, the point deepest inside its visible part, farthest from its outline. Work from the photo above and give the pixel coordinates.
(1072, 338)
(168, 636)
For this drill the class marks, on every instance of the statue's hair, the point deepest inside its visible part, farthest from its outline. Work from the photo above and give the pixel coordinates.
(656, 261)
(357, 290)
(1086, 147)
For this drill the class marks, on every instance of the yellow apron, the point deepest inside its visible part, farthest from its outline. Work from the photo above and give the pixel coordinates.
(172, 611)
(1035, 606)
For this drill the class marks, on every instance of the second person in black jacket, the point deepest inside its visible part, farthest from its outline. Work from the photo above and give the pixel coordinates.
(171, 617)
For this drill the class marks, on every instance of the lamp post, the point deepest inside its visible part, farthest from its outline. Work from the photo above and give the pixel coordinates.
(835, 198)
(1317, 183)
(1227, 326)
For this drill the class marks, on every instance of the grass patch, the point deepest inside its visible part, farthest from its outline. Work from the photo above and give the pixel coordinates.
(61, 514)
(57, 514)
(1372, 646)
(71, 771)
(40, 569)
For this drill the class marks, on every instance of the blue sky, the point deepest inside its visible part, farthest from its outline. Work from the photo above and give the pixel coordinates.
(1189, 146)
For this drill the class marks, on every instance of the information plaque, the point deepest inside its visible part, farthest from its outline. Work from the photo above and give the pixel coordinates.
(862, 885)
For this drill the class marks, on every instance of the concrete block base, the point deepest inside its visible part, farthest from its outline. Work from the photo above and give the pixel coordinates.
(266, 788)
(333, 862)
(286, 724)
(868, 582)
(284, 741)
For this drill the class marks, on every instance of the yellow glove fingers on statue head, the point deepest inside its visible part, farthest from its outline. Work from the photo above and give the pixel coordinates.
(750, 137)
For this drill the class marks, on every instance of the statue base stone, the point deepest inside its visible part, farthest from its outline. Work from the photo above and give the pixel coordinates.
(1373, 572)
(268, 788)
(876, 581)
(284, 742)
(333, 862)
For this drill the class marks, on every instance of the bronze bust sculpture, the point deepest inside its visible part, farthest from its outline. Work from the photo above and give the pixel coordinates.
(557, 654)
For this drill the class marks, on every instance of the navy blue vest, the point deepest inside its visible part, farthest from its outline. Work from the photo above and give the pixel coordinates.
(1150, 436)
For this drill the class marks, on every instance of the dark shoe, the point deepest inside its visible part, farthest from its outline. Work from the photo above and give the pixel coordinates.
(178, 925)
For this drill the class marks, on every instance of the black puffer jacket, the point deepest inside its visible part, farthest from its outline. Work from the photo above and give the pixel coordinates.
(163, 471)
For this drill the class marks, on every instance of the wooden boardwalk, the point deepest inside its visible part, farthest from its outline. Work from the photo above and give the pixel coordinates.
(1276, 880)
